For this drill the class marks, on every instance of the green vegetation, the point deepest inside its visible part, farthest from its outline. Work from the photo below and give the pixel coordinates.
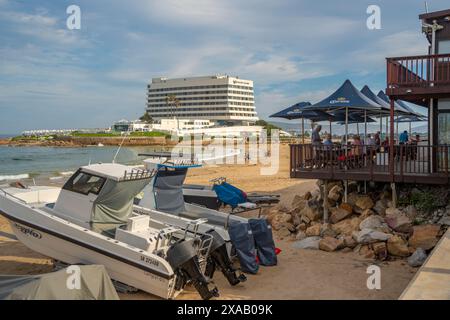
(423, 201)
(149, 134)
(146, 118)
(266, 125)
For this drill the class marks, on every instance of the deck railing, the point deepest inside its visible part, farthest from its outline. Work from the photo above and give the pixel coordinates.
(368, 160)
(418, 71)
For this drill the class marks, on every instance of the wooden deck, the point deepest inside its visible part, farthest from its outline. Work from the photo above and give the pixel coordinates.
(332, 164)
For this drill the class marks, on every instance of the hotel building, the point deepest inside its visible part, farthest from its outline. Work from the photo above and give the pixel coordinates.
(221, 99)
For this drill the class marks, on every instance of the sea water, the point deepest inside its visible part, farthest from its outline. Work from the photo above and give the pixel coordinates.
(31, 162)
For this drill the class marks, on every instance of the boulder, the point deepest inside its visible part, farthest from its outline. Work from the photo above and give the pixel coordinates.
(283, 232)
(338, 214)
(372, 222)
(366, 252)
(411, 212)
(398, 221)
(300, 235)
(346, 206)
(350, 242)
(313, 230)
(424, 236)
(327, 231)
(335, 193)
(445, 220)
(381, 206)
(366, 236)
(347, 226)
(307, 195)
(396, 246)
(285, 217)
(417, 258)
(330, 244)
(313, 214)
(307, 243)
(380, 250)
(299, 202)
(301, 227)
(362, 203)
(289, 226)
(366, 213)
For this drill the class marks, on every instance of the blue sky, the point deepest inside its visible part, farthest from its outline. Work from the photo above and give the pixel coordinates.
(52, 77)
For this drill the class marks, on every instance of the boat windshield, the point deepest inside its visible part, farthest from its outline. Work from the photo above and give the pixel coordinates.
(84, 183)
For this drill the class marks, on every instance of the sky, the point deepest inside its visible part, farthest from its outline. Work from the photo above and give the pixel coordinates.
(52, 77)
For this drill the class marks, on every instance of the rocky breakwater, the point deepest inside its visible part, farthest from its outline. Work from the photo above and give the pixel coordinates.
(367, 224)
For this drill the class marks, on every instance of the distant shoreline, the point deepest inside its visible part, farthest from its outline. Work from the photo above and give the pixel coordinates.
(74, 142)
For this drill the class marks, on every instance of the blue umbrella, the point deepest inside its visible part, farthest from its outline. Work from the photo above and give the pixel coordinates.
(344, 98)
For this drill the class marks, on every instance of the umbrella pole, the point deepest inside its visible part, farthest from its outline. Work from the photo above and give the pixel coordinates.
(303, 130)
(397, 129)
(346, 129)
(410, 132)
(365, 124)
(357, 128)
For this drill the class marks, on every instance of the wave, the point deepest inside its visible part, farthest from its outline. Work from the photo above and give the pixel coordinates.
(21, 159)
(14, 176)
(66, 173)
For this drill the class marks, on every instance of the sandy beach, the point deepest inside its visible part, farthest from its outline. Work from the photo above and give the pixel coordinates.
(300, 274)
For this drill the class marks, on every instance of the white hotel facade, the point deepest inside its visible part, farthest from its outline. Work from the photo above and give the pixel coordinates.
(221, 99)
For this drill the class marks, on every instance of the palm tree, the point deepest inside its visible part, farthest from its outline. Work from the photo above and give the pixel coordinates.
(172, 99)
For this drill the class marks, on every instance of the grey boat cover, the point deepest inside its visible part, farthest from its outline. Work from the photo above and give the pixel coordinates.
(265, 246)
(114, 204)
(242, 238)
(95, 284)
(168, 189)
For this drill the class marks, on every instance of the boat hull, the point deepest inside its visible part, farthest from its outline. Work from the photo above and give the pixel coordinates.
(61, 240)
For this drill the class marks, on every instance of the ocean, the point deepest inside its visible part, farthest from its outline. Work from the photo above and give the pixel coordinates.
(32, 162)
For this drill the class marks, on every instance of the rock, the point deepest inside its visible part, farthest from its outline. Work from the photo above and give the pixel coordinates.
(296, 219)
(350, 242)
(289, 226)
(338, 214)
(283, 232)
(307, 195)
(330, 244)
(313, 214)
(362, 203)
(367, 252)
(372, 222)
(305, 219)
(411, 212)
(347, 207)
(381, 206)
(366, 236)
(347, 226)
(327, 231)
(396, 246)
(313, 230)
(398, 221)
(307, 243)
(285, 217)
(366, 213)
(380, 250)
(445, 220)
(417, 258)
(335, 193)
(299, 202)
(424, 236)
(346, 249)
(300, 235)
(301, 227)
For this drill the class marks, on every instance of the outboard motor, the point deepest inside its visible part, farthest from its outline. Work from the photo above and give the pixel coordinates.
(218, 258)
(183, 259)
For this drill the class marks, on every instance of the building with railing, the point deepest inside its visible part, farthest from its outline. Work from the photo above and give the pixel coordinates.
(422, 80)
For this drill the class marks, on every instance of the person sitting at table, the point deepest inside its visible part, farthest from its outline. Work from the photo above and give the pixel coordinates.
(414, 143)
(377, 139)
(327, 142)
(357, 146)
(370, 144)
(385, 144)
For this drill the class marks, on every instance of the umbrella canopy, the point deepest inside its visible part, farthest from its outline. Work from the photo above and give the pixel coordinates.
(384, 97)
(385, 105)
(411, 119)
(292, 112)
(411, 111)
(346, 96)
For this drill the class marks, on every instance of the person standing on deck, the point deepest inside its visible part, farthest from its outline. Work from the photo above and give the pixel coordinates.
(403, 137)
(315, 136)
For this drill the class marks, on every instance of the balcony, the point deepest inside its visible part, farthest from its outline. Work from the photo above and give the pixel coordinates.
(405, 164)
(417, 78)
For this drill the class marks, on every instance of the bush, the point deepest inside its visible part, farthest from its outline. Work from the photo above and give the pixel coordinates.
(423, 201)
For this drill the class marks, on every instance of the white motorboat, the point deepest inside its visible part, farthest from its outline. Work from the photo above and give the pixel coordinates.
(91, 221)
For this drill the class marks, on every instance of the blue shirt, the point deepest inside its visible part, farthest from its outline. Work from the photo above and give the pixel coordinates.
(403, 137)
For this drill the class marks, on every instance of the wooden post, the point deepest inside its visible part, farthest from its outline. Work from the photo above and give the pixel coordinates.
(394, 195)
(391, 142)
(345, 190)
